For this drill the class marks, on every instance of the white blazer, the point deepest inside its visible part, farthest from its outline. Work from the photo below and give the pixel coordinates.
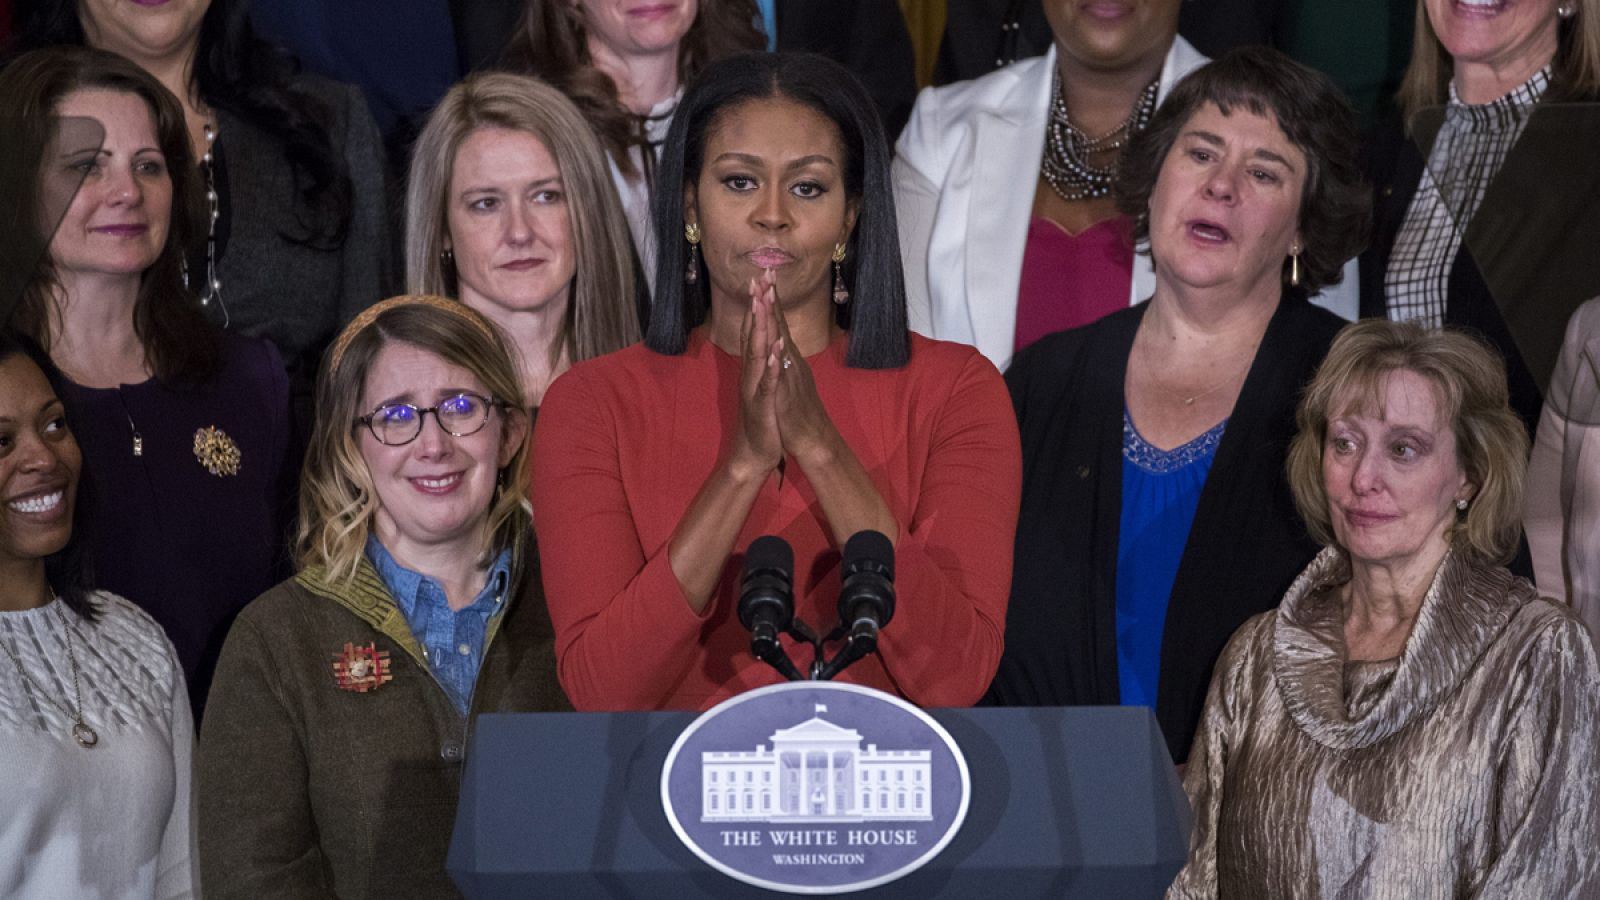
(1563, 495)
(965, 172)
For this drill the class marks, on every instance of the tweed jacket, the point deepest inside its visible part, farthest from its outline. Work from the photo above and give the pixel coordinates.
(310, 786)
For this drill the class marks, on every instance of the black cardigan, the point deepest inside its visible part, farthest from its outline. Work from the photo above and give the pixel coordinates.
(1245, 547)
(1536, 234)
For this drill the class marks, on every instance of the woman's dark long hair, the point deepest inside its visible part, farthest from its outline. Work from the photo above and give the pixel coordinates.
(179, 343)
(67, 570)
(550, 42)
(237, 72)
(876, 314)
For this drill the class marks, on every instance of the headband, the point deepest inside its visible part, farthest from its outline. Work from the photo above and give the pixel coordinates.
(370, 314)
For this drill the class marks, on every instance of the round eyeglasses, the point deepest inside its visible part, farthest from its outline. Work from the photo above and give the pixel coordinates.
(394, 424)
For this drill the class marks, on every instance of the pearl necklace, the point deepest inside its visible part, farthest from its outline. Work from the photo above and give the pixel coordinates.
(211, 291)
(1067, 149)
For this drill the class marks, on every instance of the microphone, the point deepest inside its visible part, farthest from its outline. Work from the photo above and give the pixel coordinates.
(766, 601)
(866, 598)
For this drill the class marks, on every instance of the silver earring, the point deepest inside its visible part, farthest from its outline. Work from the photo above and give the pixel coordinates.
(1461, 504)
(1566, 10)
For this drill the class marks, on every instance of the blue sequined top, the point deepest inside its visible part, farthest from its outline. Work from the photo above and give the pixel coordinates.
(1160, 493)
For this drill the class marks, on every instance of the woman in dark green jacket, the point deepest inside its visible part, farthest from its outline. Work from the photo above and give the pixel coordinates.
(331, 754)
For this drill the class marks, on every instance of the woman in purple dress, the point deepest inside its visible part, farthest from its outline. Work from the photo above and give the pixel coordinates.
(184, 429)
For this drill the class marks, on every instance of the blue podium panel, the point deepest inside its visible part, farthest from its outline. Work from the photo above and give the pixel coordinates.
(1066, 803)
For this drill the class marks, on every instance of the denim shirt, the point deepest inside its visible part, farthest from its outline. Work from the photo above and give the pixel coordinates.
(452, 639)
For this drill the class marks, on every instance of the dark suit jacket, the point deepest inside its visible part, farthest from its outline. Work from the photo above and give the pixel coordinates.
(1529, 257)
(868, 37)
(1244, 549)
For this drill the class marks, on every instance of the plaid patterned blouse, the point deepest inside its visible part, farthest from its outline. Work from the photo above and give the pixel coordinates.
(1472, 143)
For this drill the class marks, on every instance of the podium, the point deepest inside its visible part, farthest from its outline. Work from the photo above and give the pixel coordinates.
(1078, 802)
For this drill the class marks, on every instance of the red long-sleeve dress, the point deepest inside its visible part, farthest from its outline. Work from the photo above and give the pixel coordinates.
(625, 442)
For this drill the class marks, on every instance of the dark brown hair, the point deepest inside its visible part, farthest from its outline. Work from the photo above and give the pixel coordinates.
(179, 343)
(1335, 205)
(550, 42)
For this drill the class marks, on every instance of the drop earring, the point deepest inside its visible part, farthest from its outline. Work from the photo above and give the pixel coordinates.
(691, 273)
(841, 294)
(1294, 266)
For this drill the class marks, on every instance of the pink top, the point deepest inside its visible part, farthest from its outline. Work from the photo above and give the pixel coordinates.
(1072, 280)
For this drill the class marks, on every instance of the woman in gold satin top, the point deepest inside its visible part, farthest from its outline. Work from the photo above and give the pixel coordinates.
(1413, 721)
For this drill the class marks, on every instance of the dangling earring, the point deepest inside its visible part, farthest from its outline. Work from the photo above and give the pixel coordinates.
(447, 258)
(691, 233)
(841, 294)
(1294, 266)
(1566, 10)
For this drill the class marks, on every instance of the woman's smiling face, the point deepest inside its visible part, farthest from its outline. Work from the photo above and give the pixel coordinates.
(39, 465)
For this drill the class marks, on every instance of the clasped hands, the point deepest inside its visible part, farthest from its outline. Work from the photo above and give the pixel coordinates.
(779, 411)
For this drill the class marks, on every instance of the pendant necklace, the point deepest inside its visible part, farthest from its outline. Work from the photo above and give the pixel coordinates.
(82, 733)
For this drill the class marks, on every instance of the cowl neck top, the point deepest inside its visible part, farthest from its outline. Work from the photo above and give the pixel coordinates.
(1348, 705)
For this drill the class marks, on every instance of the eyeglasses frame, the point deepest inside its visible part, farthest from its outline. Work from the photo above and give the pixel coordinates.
(489, 404)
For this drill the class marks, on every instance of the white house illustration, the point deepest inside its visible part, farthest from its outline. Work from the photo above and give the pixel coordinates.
(816, 772)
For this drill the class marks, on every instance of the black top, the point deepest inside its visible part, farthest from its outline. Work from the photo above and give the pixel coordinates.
(191, 525)
(1244, 549)
(1529, 256)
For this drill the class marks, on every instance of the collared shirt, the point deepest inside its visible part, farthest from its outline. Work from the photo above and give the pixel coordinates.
(453, 640)
(1472, 144)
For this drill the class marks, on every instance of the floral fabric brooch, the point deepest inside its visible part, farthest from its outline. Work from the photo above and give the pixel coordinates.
(361, 669)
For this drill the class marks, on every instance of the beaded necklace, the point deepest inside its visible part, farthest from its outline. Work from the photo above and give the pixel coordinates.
(1067, 149)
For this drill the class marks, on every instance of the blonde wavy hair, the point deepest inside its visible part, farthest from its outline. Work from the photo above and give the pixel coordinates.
(1575, 70)
(601, 316)
(337, 498)
(1470, 380)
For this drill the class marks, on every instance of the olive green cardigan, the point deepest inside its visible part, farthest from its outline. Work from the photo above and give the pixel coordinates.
(306, 788)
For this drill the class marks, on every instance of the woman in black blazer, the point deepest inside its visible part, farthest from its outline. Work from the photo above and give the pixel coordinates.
(1515, 264)
(1244, 214)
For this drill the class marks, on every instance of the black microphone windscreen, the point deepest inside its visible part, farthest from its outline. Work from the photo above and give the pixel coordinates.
(769, 552)
(868, 546)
